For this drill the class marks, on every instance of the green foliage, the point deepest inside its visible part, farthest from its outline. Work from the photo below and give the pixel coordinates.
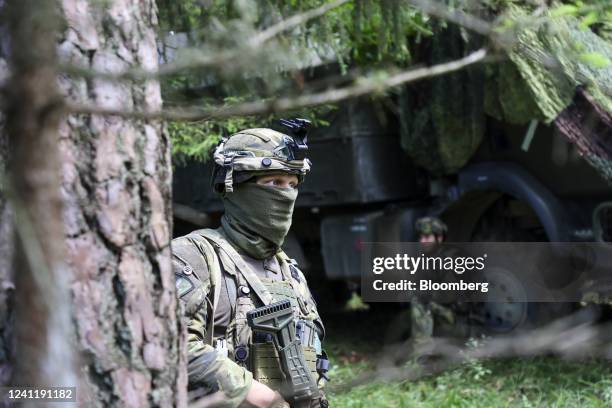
(197, 139)
(363, 33)
(358, 37)
(192, 140)
(476, 368)
(533, 382)
(355, 344)
(595, 15)
(595, 59)
(541, 382)
(356, 303)
(367, 31)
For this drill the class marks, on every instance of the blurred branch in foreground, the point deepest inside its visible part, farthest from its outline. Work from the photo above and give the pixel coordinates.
(199, 59)
(361, 87)
(456, 16)
(574, 337)
(191, 215)
(33, 114)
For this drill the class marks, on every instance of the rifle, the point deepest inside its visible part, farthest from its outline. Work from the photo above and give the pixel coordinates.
(276, 319)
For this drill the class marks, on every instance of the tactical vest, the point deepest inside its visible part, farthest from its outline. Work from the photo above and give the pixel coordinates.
(253, 352)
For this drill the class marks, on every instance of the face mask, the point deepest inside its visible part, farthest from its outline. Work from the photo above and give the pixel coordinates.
(257, 218)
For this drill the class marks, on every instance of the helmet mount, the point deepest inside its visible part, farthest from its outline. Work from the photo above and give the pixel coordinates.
(299, 129)
(259, 151)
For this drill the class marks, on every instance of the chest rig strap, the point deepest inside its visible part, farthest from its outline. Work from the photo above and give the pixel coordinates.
(253, 280)
(215, 279)
(286, 264)
(238, 332)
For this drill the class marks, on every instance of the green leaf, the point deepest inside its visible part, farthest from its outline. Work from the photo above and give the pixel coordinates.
(590, 19)
(595, 59)
(564, 10)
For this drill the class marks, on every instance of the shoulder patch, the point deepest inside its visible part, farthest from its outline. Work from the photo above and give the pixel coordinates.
(187, 258)
(183, 285)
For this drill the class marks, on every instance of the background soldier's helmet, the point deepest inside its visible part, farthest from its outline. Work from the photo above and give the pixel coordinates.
(255, 152)
(430, 225)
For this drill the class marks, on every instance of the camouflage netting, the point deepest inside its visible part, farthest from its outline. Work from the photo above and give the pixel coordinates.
(508, 98)
(553, 60)
(589, 126)
(554, 77)
(442, 120)
(551, 76)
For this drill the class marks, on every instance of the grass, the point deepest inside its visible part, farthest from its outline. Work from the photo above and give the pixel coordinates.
(535, 382)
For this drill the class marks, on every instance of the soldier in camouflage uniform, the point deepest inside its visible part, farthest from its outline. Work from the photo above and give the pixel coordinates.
(431, 231)
(221, 274)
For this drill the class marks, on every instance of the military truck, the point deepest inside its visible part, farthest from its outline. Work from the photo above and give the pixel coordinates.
(518, 151)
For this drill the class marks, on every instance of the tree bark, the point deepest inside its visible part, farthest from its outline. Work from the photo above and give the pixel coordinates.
(117, 194)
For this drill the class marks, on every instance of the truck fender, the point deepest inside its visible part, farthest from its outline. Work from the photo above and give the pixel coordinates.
(513, 180)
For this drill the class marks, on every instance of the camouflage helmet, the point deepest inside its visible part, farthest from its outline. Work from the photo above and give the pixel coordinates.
(430, 226)
(254, 152)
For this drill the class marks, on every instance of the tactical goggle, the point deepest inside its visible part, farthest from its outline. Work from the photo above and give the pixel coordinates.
(290, 150)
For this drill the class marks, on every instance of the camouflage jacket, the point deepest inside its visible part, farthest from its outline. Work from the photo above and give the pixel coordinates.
(207, 279)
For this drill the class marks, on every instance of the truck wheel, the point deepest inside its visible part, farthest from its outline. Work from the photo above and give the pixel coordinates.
(510, 312)
(513, 314)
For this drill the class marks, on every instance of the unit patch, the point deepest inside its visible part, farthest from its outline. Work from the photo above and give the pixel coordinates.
(183, 285)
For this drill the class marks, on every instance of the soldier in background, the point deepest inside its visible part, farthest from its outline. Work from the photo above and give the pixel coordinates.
(222, 274)
(431, 232)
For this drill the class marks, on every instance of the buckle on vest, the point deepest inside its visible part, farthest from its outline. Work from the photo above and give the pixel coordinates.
(322, 365)
(221, 347)
(241, 354)
(305, 331)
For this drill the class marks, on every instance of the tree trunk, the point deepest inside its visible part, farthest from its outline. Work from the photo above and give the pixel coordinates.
(117, 195)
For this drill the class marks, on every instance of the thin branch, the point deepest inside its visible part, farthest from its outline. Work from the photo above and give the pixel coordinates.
(292, 22)
(504, 39)
(362, 87)
(201, 60)
(191, 215)
(566, 338)
(454, 16)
